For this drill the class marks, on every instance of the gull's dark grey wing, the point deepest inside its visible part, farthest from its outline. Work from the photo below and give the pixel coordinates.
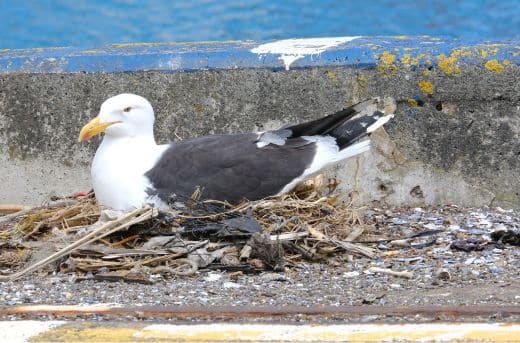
(229, 167)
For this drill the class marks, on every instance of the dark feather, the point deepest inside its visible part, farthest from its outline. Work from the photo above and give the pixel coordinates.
(229, 167)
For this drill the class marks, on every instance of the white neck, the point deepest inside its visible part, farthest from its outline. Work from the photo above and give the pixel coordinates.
(119, 166)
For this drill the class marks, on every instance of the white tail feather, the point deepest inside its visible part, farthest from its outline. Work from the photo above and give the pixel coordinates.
(327, 153)
(380, 122)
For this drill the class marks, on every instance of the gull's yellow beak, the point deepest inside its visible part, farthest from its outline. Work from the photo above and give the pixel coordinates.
(93, 128)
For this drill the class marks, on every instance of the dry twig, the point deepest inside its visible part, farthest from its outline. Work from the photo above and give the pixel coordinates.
(134, 217)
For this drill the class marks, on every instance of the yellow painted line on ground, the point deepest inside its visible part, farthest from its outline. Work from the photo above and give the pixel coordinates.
(34, 331)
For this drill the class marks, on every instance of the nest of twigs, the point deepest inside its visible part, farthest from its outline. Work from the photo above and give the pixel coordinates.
(309, 224)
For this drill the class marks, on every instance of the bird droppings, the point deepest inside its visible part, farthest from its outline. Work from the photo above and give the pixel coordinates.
(290, 50)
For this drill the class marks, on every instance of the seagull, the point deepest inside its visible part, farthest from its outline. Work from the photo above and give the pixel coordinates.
(130, 169)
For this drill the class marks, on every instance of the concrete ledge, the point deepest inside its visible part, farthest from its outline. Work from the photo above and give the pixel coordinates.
(454, 139)
(358, 52)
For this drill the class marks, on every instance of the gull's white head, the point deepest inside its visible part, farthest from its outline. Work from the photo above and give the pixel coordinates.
(124, 115)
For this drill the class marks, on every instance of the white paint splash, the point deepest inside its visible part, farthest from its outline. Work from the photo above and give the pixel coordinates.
(292, 49)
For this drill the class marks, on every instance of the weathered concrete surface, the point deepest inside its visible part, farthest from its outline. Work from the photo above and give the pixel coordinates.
(455, 137)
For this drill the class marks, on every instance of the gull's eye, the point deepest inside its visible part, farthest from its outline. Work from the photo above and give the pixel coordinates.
(127, 109)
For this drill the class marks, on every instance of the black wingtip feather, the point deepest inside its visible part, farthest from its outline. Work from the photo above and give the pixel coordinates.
(355, 129)
(326, 125)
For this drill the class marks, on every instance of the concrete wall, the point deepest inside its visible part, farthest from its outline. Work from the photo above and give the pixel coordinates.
(455, 138)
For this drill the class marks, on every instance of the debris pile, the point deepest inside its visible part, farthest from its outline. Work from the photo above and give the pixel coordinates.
(74, 236)
(268, 234)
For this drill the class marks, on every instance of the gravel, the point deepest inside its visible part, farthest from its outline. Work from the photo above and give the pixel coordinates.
(441, 273)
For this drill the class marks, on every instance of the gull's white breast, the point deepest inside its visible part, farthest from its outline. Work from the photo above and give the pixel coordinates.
(118, 171)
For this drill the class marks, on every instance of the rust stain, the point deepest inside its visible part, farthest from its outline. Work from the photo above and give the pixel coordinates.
(254, 311)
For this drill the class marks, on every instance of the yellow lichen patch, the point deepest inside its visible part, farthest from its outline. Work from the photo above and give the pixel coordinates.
(426, 72)
(412, 103)
(134, 45)
(426, 86)
(494, 65)
(332, 77)
(359, 88)
(406, 59)
(387, 60)
(401, 37)
(483, 53)
(448, 64)
(362, 79)
(417, 59)
(506, 62)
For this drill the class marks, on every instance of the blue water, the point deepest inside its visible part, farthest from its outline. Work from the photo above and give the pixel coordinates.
(83, 23)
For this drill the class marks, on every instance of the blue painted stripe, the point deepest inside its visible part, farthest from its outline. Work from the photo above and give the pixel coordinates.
(363, 52)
